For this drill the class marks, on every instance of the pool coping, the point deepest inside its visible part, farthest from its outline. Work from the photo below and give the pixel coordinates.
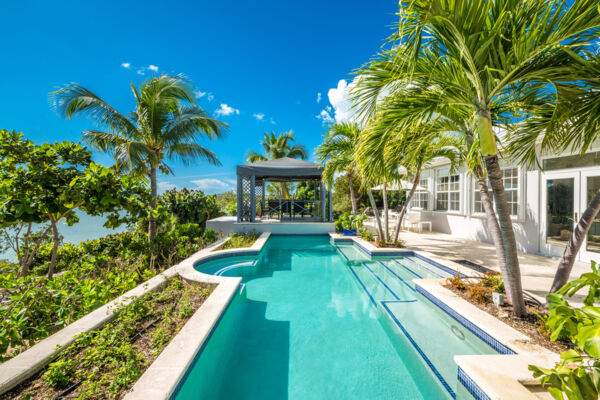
(486, 377)
(496, 376)
(163, 376)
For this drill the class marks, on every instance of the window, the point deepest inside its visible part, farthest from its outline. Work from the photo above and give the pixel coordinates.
(511, 188)
(421, 197)
(477, 203)
(448, 193)
(575, 161)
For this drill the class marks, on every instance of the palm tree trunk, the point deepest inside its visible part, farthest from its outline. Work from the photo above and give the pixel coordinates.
(375, 213)
(512, 279)
(283, 191)
(583, 226)
(405, 205)
(386, 218)
(492, 224)
(352, 195)
(153, 203)
(55, 239)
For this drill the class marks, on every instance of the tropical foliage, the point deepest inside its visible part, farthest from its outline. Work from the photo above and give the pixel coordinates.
(165, 125)
(486, 65)
(46, 184)
(337, 152)
(577, 375)
(278, 146)
(106, 362)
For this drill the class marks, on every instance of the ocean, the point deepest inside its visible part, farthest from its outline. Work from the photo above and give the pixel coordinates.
(88, 227)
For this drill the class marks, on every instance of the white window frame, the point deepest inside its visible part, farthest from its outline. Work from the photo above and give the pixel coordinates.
(417, 202)
(519, 201)
(456, 190)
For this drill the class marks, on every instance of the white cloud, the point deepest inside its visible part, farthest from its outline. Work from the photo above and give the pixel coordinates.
(340, 100)
(272, 121)
(153, 68)
(140, 71)
(210, 97)
(212, 185)
(259, 116)
(199, 94)
(225, 110)
(164, 186)
(325, 116)
(319, 97)
(126, 65)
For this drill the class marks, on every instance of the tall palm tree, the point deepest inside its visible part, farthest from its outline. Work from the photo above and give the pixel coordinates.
(337, 153)
(494, 59)
(165, 125)
(278, 146)
(570, 121)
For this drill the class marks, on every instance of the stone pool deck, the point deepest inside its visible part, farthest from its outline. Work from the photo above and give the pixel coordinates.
(537, 271)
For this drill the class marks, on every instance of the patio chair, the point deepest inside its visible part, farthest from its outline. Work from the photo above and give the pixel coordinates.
(273, 208)
(415, 219)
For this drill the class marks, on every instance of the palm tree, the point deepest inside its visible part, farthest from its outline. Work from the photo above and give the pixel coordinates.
(278, 146)
(165, 125)
(492, 59)
(337, 153)
(569, 121)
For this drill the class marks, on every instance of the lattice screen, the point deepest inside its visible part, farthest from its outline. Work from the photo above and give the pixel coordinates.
(246, 213)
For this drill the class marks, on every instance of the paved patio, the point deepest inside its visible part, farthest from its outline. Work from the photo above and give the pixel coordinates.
(537, 271)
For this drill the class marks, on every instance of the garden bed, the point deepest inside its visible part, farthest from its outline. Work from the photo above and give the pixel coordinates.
(105, 363)
(527, 325)
(239, 240)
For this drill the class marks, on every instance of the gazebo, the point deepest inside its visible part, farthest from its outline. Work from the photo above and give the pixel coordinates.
(251, 185)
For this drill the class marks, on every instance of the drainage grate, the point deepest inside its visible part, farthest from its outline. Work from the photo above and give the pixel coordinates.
(473, 266)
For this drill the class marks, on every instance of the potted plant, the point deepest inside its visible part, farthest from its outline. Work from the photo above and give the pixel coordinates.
(351, 223)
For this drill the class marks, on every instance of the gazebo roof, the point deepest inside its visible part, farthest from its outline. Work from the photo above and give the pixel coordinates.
(282, 169)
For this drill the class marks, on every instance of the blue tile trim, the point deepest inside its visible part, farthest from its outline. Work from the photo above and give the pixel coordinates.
(424, 266)
(489, 340)
(406, 268)
(342, 253)
(363, 286)
(436, 264)
(416, 346)
(381, 281)
(471, 386)
(398, 276)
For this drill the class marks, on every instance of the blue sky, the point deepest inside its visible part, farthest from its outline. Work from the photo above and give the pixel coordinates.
(263, 63)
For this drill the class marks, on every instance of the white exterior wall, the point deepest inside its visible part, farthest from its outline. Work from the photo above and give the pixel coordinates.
(469, 225)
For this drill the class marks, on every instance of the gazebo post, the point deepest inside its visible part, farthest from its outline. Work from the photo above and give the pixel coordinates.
(264, 204)
(239, 198)
(322, 198)
(252, 198)
(330, 204)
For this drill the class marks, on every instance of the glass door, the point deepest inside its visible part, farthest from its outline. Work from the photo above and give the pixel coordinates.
(560, 210)
(590, 250)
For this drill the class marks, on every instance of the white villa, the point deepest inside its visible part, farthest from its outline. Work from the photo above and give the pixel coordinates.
(546, 204)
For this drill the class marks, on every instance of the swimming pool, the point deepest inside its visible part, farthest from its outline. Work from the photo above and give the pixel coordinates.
(315, 320)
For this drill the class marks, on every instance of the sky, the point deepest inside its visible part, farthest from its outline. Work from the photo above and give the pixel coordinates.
(259, 66)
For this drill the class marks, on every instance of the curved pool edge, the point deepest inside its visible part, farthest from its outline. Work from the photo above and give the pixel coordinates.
(162, 377)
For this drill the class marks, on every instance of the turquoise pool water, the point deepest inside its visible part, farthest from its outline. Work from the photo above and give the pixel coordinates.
(317, 321)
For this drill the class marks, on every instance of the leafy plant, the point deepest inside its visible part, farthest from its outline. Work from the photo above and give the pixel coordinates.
(365, 234)
(240, 240)
(577, 375)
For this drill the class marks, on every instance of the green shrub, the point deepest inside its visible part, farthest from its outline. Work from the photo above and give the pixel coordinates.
(190, 206)
(365, 234)
(577, 375)
(240, 240)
